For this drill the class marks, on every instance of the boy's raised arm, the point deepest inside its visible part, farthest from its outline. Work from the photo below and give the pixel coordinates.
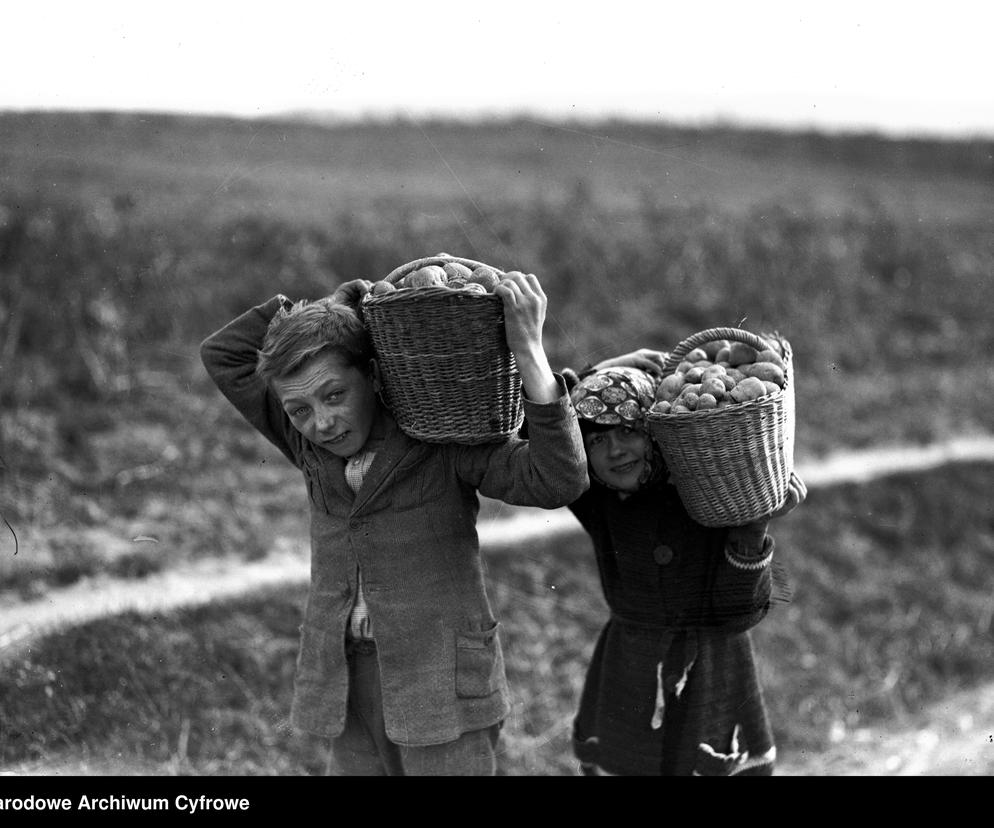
(525, 306)
(230, 354)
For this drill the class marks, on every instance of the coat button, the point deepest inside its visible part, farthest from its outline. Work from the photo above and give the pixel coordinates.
(663, 554)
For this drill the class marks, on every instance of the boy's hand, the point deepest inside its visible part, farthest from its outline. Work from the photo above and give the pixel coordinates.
(525, 305)
(650, 361)
(351, 293)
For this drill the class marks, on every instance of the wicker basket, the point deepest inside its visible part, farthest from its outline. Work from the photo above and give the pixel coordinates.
(730, 465)
(448, 375)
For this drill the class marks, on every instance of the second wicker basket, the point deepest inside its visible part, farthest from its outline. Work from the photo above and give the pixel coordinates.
(730, 465)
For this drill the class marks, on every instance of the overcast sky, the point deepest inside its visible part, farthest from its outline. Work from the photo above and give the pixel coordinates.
(894, 67)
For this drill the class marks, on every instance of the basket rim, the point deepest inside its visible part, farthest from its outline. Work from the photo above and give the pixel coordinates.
(429, 293)
(738, 409)
(685, 346)
(398, 273)
(730, 411)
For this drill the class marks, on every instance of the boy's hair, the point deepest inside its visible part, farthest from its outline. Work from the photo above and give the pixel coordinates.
(305, 329)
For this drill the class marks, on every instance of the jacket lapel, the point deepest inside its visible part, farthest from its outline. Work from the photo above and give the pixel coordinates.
(396, 447)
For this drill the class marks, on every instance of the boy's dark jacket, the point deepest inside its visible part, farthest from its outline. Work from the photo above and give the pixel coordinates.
(412, 530)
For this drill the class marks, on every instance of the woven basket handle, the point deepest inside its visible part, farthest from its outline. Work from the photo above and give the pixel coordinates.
(680, 351)
(441, 259)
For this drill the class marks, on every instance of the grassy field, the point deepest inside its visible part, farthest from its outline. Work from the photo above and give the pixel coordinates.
(124, 240)
(891, 612)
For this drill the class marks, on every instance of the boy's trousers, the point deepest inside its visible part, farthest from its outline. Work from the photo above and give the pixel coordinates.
(363, 748)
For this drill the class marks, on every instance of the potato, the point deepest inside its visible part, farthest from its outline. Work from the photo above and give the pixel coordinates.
(660, 407)
(739, 353)
(669, 386)
(485, 276)
(771, 387)
(765, 371)
(474, 287)
(706, 402)
(775, 343)
(749, 389)
(695, 374)
(690, 400)
(723, 354)
(767, 355)
(381, 287)
(713, 371)
(427, 276)
(684, 366)
(713, 386)
(696, 355)
(713, 347)
(456, 270)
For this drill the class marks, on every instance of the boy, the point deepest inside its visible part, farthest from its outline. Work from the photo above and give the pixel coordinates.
(400, 659)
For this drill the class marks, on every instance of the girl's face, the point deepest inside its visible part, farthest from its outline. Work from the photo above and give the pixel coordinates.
(618, 456)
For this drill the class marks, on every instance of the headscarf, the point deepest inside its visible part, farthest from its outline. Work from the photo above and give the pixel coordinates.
(618, 396)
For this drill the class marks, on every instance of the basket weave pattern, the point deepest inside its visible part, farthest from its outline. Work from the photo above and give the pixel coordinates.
(448, 375)
(730, 465)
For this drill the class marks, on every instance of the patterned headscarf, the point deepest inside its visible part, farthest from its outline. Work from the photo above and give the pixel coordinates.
(614, 396)
(618, 397)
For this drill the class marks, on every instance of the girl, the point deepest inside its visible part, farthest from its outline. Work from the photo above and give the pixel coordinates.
(672, 687)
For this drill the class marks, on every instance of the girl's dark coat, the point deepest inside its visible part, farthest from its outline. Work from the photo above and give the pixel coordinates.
(672, 688)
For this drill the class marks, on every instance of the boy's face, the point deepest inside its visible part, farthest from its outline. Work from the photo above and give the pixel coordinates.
(618, 456)
(331, 403)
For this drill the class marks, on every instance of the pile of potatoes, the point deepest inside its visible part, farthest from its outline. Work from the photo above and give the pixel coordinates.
(721, 373)
(451, 275)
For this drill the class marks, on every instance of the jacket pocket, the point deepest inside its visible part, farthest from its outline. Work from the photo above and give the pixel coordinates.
(478, 663)
(317, 658)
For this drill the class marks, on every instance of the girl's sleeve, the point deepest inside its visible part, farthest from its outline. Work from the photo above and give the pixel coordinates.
(230, 356)
(742, 585)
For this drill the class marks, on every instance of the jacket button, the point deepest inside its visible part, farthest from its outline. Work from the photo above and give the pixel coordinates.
(663, 554)
(354, 524)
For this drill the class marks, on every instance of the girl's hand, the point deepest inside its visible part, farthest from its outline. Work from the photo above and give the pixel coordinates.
(797, 492)
(351, 293)
(648, 360)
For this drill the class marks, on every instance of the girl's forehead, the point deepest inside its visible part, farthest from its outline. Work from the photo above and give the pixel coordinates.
(623, 431)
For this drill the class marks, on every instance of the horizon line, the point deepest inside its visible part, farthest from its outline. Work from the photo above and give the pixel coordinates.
(332, 117)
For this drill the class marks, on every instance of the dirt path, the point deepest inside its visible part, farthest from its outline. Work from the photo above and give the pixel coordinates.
(218, 578)
(954, 737)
